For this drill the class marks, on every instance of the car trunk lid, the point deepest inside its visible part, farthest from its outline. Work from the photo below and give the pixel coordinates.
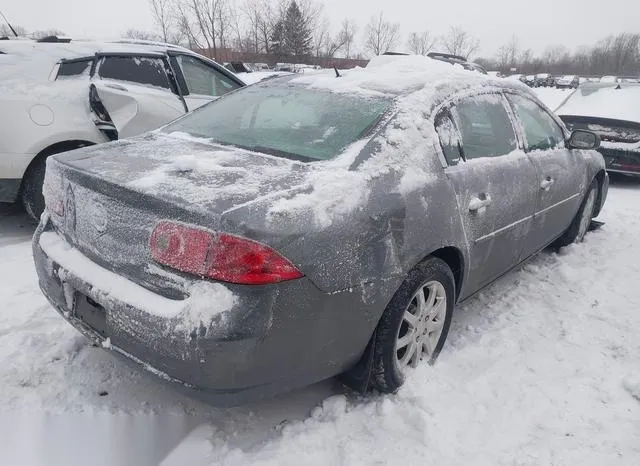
(113, 195)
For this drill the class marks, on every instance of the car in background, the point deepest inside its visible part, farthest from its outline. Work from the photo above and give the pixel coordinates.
(310, 226)
(613, 112)
(495, 74)
(517, 77)
(609, 79)
(457, 60)
(59, 94)
(568, 81)
(543, 80)
(530, 80)
(629, 79)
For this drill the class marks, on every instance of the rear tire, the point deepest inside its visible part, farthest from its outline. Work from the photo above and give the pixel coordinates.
(409, 331)
(580, 223)
(31, 196)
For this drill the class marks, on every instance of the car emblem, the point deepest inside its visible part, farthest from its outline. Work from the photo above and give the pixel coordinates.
(70, 211)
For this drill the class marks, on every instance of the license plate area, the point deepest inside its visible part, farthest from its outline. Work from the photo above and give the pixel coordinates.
(92, 314)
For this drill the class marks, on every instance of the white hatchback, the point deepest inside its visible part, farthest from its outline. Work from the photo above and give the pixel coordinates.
(60, 96)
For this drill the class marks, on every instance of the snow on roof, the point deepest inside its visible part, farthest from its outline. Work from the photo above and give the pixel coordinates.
(394, 76)
(617, 101)
(77, 49)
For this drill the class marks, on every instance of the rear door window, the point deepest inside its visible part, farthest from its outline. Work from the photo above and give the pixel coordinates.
(74, 68)
(484, 126)
(203, 79)
(149, 71)
(540, 130)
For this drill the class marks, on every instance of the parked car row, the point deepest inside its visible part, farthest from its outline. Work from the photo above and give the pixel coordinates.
(612, 110)
(306, 226)
(569, 81)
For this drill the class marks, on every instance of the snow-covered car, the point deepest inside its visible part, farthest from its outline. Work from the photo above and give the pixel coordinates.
(517, 77)
(56, 97)
(311, 225)
(543, 80)
(609, 79)
(613, 112)
(568, 81)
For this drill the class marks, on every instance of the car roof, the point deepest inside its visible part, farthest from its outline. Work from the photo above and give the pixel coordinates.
(410, 78)
(77, 49)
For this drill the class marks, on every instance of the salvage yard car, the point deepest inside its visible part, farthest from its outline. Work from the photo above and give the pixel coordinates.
(310, 226)
(613, 112)
(568, 81)
(59, 96)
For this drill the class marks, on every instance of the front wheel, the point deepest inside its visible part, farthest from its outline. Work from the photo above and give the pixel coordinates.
(580, 223)
(415, 324)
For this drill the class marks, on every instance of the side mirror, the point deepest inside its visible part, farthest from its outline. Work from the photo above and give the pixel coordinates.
(581, 139)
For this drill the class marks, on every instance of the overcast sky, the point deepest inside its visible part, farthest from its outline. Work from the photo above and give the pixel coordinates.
(536, 23)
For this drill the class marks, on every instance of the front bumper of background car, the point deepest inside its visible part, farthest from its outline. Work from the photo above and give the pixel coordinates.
(620, 160)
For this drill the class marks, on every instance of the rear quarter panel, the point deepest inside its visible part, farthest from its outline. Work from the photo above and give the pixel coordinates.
(32, 120)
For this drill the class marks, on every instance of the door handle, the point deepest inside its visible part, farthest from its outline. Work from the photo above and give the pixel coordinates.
(479, 202)
(547, 183)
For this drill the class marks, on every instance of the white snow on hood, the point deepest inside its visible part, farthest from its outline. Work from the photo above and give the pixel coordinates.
(620, 102)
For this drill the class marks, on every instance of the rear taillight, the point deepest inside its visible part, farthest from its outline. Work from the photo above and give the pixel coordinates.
(218, 256)
(52, 192)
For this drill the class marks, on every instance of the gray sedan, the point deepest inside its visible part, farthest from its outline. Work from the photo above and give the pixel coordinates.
(311, 226)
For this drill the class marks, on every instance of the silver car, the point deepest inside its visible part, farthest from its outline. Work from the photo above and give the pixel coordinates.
(306, 227)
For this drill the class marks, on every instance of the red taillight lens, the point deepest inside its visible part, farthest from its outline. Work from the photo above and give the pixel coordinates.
(219, 256)
(52, 192)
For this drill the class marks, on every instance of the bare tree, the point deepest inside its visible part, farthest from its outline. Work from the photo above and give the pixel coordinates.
(459, 42)
(421, 43)
(162, 11)
(207, 23)
(346, 36)
(5, 30)
(508, 53)
(381, 35)
(140, 35)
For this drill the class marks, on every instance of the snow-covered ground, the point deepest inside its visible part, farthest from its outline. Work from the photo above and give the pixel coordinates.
(541, 368)
(551, 96)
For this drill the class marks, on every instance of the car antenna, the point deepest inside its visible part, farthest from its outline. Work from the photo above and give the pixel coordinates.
(8, 24)
(338, 75)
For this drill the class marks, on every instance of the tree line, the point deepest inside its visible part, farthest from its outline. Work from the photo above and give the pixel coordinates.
(617, 55)
(296, 30)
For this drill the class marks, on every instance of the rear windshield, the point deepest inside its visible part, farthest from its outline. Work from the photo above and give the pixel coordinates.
(285, 120)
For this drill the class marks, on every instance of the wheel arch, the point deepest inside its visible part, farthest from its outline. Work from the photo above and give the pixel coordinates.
(600, 177)
(56, 148)
(359, 376)
(454, 258)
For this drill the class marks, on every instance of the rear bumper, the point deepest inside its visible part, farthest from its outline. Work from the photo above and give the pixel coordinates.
(271, 339)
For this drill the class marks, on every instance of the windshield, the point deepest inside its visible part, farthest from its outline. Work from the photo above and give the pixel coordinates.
(285, 120)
